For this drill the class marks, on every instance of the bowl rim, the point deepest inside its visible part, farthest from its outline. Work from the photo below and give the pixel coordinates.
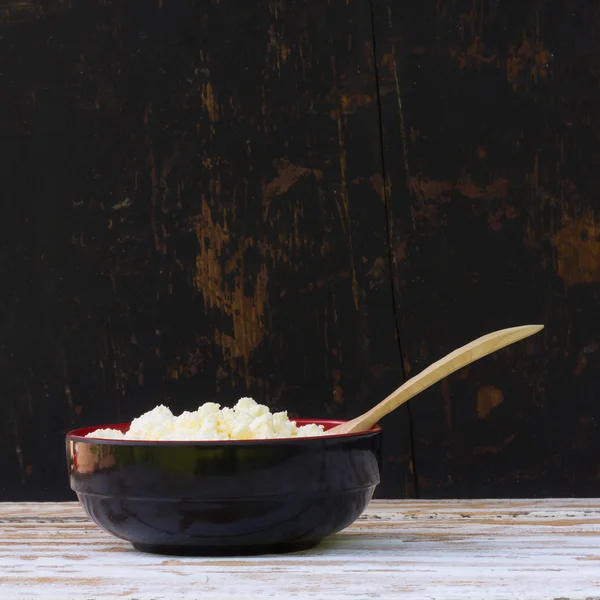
(78, 435)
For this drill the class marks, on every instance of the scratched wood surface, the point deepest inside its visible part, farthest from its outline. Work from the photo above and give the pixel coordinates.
(192, 211)
(414, 549)
(490, 129)
(304, 202)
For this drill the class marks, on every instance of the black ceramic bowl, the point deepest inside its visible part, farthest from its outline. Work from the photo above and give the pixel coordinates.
(225, 497)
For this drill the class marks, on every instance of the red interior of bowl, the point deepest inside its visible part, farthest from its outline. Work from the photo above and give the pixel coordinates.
(124, 427)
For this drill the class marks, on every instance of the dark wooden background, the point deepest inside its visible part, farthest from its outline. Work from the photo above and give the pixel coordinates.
(305, 202)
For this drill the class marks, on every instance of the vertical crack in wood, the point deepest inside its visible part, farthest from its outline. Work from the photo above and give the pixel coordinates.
(388, 227)
(400, 116)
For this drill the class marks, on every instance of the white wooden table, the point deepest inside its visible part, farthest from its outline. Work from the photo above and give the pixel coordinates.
(539, 549)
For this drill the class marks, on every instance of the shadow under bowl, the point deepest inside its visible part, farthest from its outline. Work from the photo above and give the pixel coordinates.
(225, 497)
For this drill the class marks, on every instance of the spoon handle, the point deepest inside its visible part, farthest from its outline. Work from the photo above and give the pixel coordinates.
(438, 370)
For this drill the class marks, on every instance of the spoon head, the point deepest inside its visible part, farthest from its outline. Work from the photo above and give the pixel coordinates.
(353, 426)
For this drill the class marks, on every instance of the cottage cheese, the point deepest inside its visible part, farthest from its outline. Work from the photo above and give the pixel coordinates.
(247, 420)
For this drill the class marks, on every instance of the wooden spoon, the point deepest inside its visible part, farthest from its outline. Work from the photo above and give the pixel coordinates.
(438, 370)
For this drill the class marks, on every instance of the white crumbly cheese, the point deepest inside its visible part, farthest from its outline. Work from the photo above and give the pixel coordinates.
(247, 420)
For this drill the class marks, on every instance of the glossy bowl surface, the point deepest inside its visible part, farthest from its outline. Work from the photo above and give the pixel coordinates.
(225, 497)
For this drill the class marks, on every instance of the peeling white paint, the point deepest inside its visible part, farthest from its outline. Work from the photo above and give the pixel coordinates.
(500, 550)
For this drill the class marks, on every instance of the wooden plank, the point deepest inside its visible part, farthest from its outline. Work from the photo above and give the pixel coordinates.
(195, 214)
(501, 549)
(488, 113)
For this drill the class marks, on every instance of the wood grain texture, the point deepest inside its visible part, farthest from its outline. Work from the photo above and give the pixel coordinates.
(417, 549)
(192, 211)
(196, 206)
(490, 128)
